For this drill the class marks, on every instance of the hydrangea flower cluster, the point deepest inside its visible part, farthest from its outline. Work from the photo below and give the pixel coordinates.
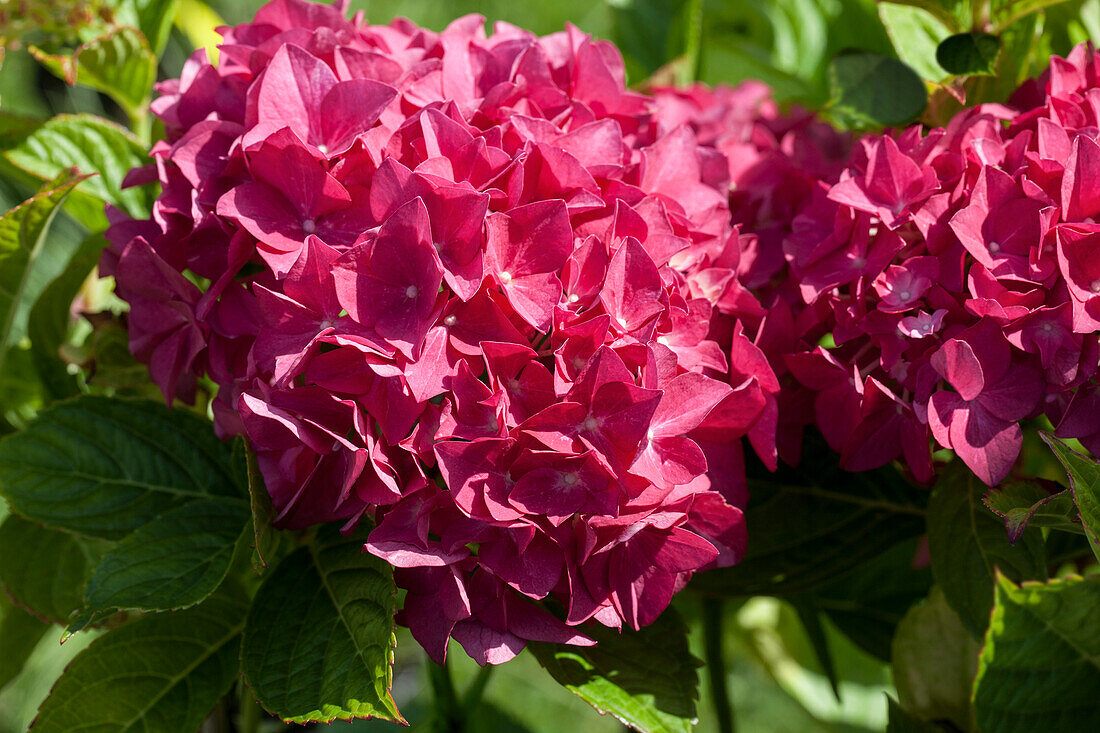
(470, 287)
(947, 285)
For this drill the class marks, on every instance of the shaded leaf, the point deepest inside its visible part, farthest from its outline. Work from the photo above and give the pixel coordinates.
(968, 542)
(50, 317)
(44, 570)
(868, 603)
(900, 721)
(813, 523)
(119, 64)
(20, 633)
(319, 641)
(969, 53)
(265, 537)
(648, 679)
(175, 561)
(161, 673)
(1084, 481)
(104, 467)
(1033, 501)
(934, 662)
(153, 17)
(23, 240)
(1040, 667)
(876, 89)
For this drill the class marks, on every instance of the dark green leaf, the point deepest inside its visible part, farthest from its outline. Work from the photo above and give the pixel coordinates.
(173, 562)
(900, 721)
(319, 641)
(816, 522)
(968, 542)
(1033, 501)
(92, 145)
(969, 53)
(49, 320)
(20, 633)
(265, 537)
(104, 467)
(876, 89)
(645, 34)
(934, 661)
(868, 603)
(1040, 668)
(159, 674)
(23, 238)
(647, 679)
(44, 570)
(118, 64)
(1084, 480)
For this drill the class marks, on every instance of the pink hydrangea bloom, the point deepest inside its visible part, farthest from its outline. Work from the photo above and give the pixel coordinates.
(471, 287)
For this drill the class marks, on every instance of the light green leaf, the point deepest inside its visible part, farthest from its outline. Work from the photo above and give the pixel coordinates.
(876, 89)
(49, 320)
(915, 33)
(648, 679)
(19, 634)
(159, 674)
(1040, 667)
(1084, 481)
(319, 641)
(969, 53)
(968, 542)
(1030, 501)
(153, 17)
(934, 661)
(954, 14)
(197, 20)
(44, 570)
(92, 145)
(1003, 13)
(104, 467)
(119, 64)
(173, 562)
(23, 240)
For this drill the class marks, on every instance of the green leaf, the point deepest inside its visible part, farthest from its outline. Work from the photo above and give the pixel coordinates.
(20, 633)
(915, 34)
(44, 570)
(814, 523)
(1084, 481)
(1040, 667)
(319, 641)
(810, 617)
(104, 467)
(153, 17)
(1003, 13)
(648, 679)
(934, 662)
(92, 145)
(876, 89)
(868, 603)
(23, 239)
(900, 721)
(159, 674)
(266, 539)
(954, 14)
(49, 320)
(175, 561)
(197, 21)
(1032, 501)
(119, 64)
(968, 542)
(969, 53)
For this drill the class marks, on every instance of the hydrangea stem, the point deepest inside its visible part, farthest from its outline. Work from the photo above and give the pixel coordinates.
(716, 664)
(448, 714)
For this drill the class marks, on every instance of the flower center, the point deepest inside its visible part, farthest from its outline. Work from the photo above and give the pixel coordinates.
(573, 297)
(309, 226)
(994, 247)
(1048, 327)
(450, 321)
(591, 423)
(904, 294)
(1095, 287)
(506, 277)
(570, 479)
(411, 291)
